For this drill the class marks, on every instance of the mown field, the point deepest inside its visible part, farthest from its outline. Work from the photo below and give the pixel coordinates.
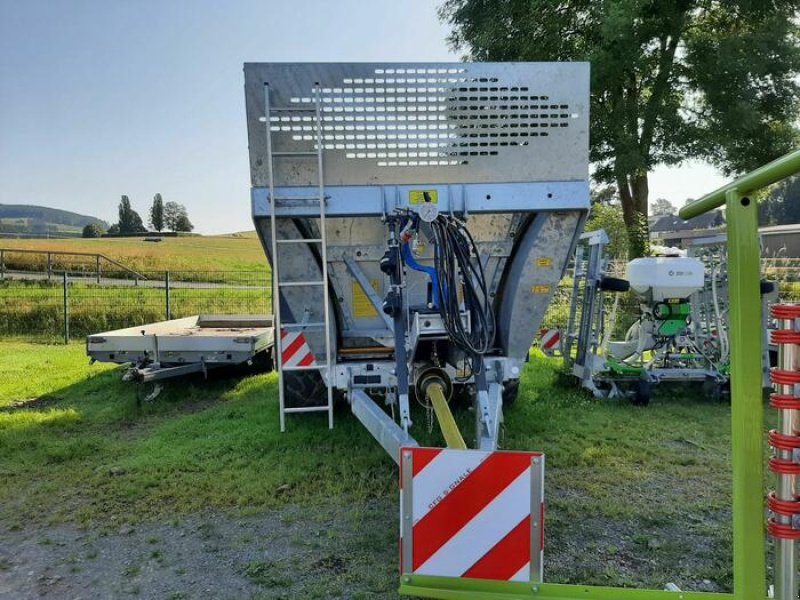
(239, 251)
(636, 496)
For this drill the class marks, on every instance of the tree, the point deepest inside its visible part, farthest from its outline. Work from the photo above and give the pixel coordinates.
(182, 223)
(609, 218)
(129, 219)
(671, 79)
(781, 204)
(157, 213)
(176, 218)
(113, 230)
(662, 207)
(92, 230)
(606, 194)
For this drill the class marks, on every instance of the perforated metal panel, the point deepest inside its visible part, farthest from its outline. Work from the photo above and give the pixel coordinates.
(421, 123)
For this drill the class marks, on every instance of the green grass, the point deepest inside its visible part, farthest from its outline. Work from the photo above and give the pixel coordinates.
(37, 307)
(239, 251)
(74, 446)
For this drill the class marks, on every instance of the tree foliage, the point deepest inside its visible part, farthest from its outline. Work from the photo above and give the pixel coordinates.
(129, 219)
(609, 218)
(671, 79)
(157, 213)
(92, 230)
(781, 204)
(176, 218)
(662, 207)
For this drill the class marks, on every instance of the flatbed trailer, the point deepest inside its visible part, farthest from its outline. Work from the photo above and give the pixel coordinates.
(188, 345)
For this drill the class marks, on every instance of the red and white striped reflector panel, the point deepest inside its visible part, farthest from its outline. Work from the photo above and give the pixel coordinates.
(550, 340)
(295, 351)
(472, 513)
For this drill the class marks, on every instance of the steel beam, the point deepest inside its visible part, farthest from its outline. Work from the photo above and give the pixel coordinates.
(454, 588)
(388, 433)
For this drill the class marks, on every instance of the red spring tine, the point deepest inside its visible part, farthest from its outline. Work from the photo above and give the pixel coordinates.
(785, 311)
(783, 532)
(783, 377)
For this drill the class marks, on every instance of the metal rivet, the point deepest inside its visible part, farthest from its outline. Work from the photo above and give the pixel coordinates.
(406, 579)
(535, 589)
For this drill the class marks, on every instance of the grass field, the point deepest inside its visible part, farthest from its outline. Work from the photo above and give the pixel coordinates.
(636, 497)
(37, 307)
(240, 251)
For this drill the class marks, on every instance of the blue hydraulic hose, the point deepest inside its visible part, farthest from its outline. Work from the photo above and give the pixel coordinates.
(409, 259)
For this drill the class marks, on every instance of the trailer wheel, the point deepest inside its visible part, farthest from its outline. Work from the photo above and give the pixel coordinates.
(262, 361)
(302, 389)
(510, 392)
(614, 284)
(641, 393)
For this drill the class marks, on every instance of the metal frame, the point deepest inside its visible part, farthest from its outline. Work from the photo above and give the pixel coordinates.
(747, 421)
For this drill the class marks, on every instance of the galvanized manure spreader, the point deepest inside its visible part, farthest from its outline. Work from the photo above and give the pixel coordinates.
(417, 218)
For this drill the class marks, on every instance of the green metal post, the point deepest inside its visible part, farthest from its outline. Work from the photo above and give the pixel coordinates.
(66, 309)
(747, 411)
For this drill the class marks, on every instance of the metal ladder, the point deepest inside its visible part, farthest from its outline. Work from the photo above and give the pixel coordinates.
(283, 328)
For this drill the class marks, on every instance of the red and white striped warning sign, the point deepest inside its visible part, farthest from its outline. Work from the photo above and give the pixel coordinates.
(550, 340)
(295, 351)
(472, 513)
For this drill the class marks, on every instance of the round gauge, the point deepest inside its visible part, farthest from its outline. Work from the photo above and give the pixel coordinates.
(428, 211)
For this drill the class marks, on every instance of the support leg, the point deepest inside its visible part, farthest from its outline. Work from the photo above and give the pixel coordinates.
(747, 410)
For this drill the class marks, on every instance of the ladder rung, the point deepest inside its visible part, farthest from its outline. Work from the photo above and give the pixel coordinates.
(305, 409)
(295, 153)
(303, 368)
(300, 241)
(299, 283)
(310, 325)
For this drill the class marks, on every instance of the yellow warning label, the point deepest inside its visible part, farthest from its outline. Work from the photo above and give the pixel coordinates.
(544, 261)
(362, 307)
(541, 289)
(420, 196)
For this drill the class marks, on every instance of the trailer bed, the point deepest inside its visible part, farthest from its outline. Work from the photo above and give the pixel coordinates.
(200, 340)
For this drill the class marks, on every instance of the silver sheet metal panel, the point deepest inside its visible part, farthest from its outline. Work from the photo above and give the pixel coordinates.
(412, 123)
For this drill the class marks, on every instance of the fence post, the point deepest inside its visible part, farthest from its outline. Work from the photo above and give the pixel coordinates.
(66, 309)
(2, 265)
(98, 269)
(49, 265)
(166, 295)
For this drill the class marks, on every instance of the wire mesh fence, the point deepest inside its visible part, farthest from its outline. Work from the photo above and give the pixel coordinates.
(71, 305)
(33, 302)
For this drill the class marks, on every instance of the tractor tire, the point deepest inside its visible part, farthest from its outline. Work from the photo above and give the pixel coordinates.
(510, 392)
(614, 284)
(302, 389)
(262, 362)
(641, 393)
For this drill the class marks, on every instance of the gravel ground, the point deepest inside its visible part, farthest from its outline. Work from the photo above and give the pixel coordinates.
(320, 552)
(293, 553)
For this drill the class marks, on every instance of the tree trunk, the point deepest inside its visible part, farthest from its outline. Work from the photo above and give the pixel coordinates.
(633, 192)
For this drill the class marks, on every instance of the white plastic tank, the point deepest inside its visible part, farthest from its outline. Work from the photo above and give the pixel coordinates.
(666, 276)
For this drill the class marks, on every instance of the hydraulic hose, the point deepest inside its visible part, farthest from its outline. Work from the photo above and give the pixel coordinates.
(409, 259)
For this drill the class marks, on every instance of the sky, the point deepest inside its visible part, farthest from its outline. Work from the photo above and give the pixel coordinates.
(111, 97)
